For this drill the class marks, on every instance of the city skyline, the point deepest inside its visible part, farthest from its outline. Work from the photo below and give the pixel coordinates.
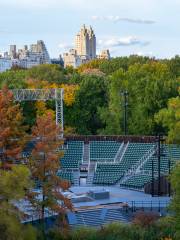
(138, 27)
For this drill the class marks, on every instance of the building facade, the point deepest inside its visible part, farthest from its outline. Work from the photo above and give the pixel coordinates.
(26, 58)
(105, 54)
(58, 61)
(5, 64)
(85, 43)
(72, 59)
(12, 51)
(85, 49)
(39, 51)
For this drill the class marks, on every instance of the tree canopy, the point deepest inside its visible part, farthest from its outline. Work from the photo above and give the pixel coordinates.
(93, 93)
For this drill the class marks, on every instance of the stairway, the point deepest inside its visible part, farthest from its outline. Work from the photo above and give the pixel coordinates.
(86, 159)
(91, 172)
(136, 168)
(122, 152)
(76, 178)
(119, 152)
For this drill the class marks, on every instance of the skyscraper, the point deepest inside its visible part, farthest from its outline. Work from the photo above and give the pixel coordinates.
(12, 51)
(92, 44)
(39, 50)
(85, 43)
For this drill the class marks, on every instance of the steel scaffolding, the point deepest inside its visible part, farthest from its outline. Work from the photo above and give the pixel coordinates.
(43, 95)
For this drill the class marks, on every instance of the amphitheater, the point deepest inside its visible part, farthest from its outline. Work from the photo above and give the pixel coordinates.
(111, 177)
(112, 160)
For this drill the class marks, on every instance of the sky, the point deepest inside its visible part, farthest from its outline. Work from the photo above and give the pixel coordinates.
(125, 27)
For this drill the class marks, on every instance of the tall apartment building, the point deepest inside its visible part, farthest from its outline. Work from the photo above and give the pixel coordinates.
(85, 43)
(39, 50)
(30, 57)
(12, 51)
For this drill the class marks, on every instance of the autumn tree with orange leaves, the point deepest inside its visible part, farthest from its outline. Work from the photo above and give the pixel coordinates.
(14, 178)
(44, 164)
(12, 131)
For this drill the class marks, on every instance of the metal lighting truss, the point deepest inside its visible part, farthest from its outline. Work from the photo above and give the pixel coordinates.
(43, 95)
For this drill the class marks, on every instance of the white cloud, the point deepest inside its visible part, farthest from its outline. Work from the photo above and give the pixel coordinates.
(65, 46)
(121, 19)
(119, 41)
(146, 54)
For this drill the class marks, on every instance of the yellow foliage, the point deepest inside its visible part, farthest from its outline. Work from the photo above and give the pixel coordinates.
(54, 85)
(94, 64)
(42, 110)
(69, 131)
(37, 84)
(69, 93)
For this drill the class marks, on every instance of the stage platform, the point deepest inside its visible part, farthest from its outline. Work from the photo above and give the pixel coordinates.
(119, 195)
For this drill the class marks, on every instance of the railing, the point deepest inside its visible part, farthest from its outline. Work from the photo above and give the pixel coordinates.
(152, 205)
(159, 206)
(118, 152)
(108, 163)
(103, 160)
(145, 158)
(124, 152)
(83, 153)
(136, 168)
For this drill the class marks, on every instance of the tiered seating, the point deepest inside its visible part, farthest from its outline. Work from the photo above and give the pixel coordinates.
(134, 153)
(170, 153)
(66, 176)
(137, 181)
(73, 155)
(107, 173)
(89, 218)
(115, 215)
(103, 150)
(174, 153)
(111, 173)
(96, 217)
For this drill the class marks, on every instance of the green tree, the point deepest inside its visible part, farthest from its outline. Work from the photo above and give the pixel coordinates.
(13, 187)
(13, 79)
(174, 65)
(84, 115)
(175, 204)
(47, 72)
(114, 64)
(112, 116)
(149, 86)
(170, 119)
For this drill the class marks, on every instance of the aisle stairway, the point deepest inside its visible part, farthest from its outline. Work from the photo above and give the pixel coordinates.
(76, 178)
(91, 172)
(86, 159)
